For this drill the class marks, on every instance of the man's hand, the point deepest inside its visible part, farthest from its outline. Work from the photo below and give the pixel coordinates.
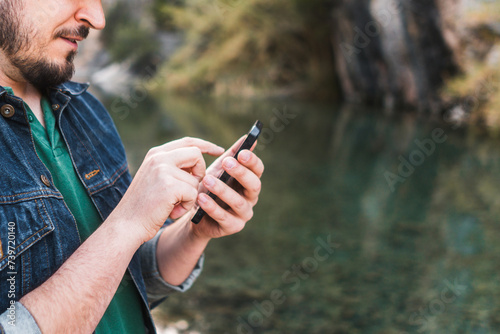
(229, 217)
(166, 184)
(181, 244)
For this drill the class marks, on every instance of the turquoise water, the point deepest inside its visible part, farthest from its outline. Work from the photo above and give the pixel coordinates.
(367, 223)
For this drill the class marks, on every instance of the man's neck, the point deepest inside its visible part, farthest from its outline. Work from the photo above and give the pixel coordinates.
(11, 77)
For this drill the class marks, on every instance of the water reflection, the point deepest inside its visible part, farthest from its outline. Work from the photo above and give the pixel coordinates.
(417, 258)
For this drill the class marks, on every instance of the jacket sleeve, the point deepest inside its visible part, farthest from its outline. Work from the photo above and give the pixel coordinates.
(156, 287)
(18, 320)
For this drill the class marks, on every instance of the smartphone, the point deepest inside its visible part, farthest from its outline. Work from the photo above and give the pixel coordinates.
(252, 136)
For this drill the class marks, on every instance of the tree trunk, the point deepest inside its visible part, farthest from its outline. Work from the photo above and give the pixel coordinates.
(391, 53)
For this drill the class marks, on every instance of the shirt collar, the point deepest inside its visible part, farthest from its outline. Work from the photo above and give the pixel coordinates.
(8, 90)
(3, 91)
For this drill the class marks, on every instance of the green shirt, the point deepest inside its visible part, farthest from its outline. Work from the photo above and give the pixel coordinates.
(124, 313)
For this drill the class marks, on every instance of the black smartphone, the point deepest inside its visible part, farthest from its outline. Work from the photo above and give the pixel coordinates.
(252, 136)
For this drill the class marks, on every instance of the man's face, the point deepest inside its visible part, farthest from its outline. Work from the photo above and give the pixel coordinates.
(39, 37)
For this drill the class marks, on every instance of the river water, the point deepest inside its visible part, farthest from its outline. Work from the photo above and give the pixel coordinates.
(367, 223)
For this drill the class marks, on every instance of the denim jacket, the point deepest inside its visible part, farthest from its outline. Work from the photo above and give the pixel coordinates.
(37, 230)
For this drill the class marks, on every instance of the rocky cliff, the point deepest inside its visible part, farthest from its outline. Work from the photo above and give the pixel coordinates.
(404, 53)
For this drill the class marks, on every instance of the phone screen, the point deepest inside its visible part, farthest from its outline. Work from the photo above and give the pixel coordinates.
(252, 136)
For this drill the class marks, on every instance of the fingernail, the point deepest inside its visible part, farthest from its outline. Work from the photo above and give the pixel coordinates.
(229, 163)
(209, 181)
(244, 156)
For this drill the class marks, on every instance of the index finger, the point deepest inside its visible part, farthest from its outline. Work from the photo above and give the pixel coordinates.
(229, 153)
(204, 145)
(233, 149)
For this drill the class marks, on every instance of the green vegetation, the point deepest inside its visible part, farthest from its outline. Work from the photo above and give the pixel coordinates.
(248, 48)
(479, 92)
(478, 87)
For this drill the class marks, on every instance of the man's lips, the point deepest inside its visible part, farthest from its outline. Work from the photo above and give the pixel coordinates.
(73, 40)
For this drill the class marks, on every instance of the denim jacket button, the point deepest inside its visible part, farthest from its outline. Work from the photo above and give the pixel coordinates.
(55, 106)
(45, 180)
(7, 110)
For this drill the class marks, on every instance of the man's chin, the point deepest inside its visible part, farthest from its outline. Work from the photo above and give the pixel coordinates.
(46, 76)
(44, 73)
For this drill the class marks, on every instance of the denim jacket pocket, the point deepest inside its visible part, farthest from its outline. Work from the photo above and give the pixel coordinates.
(23, 223)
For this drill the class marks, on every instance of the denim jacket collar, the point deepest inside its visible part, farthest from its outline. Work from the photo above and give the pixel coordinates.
(73, 88)
(70, 87)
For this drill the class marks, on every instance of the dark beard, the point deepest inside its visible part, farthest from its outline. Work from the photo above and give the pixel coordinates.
(43, 74)
(14, 40)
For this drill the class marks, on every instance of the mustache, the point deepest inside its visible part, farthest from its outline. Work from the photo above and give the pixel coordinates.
(81, 31)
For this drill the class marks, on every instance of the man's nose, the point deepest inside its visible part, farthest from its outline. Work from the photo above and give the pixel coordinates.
(90, 13)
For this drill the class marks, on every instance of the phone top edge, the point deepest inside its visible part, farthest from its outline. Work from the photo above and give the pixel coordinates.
(256, 128)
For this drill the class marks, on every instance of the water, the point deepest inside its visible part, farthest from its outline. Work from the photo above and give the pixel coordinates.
(347, 236)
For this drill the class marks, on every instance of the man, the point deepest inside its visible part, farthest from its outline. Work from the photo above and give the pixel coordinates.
(83, 247)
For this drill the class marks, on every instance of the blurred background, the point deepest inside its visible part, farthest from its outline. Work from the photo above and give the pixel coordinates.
(379, 211)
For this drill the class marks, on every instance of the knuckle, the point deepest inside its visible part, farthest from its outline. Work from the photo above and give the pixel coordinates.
(169, 181)
(249, 214)
(257, 187)
(154, 149)
(156, 157)
(153, 160)
(188, 140)
(197, 151)
(194, 181)
(255, 200)
(240, 203)
(151, 153)
(239, 227)
(221, 216)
